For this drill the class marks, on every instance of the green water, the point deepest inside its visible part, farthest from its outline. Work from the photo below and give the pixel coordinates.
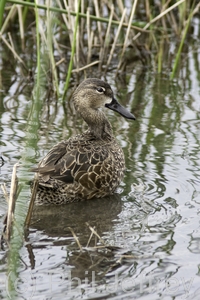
(154, 219)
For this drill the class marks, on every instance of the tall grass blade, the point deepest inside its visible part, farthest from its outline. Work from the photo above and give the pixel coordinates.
(50, 30)
(178, 55)
(11, 47)
(2, 6)
(9, 16)
(72, 53)
(21, 25)
(26, 160)
(160, 55)
(127, 33)
(115, 40)
(136, 25)
(163, 13)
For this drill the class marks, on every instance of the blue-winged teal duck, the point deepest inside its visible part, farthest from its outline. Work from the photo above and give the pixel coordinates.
(90, 164)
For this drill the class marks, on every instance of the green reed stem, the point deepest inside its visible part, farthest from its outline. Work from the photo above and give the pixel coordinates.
(178, 55)
(38, 47)
(135, 25)
(31, 138)
(72, 52)
(25, 11)
(2, 6)
(160, 55)
(50, 30)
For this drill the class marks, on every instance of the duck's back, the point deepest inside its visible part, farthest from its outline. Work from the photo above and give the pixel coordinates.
(79, 169)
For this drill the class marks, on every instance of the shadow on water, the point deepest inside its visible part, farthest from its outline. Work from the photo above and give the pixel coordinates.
(137, 241)
(99, 213)
(55, 224)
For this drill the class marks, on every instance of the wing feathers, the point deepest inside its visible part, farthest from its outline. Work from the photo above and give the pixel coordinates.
(70, 162)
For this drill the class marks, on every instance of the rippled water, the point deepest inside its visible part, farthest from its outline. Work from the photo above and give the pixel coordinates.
(153, 222)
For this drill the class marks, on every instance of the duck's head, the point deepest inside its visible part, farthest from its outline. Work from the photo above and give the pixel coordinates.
(94, 93)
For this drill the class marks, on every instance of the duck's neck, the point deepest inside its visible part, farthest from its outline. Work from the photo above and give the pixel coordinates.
(98, 124)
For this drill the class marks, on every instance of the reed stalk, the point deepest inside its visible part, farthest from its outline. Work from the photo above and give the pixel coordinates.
(10, 14)
(178, 55)
(160, 56)
(21, 25)
(115, 40)
(107, 38)
(32, 202)
(163, 13)
(2, 7)
(11, 200)
(89, 36)
(25, 12)
(12, 49)
(72, 53)
(99, 27)
(135, 25)
(21, 207)
(31, 139)
(38, 50)
(50, 31)
(127, 33)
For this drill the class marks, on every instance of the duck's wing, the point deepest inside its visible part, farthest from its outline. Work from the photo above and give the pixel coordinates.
(80, 163)
(48, 166)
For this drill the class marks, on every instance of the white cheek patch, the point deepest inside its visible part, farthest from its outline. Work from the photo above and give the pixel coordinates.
(108, 100)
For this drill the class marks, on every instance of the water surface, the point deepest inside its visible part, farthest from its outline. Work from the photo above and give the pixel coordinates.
(153, 222)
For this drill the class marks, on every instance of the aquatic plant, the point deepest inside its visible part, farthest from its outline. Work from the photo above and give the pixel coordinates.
(78, 36)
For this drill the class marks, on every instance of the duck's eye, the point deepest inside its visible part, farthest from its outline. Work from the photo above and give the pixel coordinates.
(100, 90)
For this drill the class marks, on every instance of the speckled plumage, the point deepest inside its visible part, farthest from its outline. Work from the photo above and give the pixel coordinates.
(90, 164)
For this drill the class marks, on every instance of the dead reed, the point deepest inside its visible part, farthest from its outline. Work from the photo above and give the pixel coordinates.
(11, 199)
(79, 36)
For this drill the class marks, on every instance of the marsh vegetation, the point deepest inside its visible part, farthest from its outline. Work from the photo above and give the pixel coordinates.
(149, 52)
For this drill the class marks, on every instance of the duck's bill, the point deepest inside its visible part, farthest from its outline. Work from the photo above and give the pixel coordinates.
(114, 105)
